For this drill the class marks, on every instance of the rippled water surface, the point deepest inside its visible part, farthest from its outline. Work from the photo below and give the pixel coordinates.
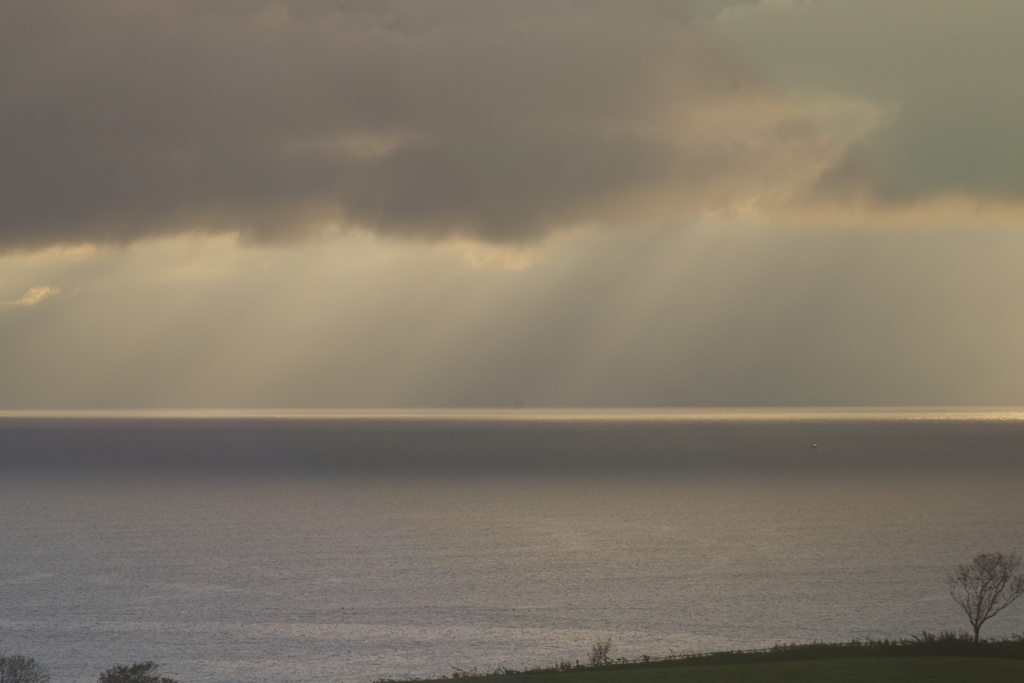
(317, 566)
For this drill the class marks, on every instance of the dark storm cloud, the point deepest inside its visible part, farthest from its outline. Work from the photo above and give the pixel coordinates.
(126, 119)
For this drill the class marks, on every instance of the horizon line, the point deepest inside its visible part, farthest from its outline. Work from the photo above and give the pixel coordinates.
(534, 414)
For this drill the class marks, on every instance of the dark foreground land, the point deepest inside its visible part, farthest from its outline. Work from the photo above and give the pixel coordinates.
(947, 658)
(870, 670)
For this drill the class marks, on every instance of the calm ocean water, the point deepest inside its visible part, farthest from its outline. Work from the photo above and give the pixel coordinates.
(309, 548)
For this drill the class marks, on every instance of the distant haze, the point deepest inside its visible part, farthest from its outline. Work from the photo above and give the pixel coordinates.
(501, 443)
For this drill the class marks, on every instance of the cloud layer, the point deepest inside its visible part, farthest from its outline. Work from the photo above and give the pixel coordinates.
(127, 119)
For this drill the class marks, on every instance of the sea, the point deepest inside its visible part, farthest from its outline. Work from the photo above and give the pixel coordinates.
(316, 547)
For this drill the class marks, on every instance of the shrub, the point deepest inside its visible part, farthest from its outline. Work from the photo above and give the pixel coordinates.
(18, 669)
(139, 672)
(599, 652)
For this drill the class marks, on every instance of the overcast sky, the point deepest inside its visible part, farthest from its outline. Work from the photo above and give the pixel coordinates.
(477, 203)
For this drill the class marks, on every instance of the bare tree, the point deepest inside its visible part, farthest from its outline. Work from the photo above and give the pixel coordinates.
(18, 669)
(599, 652)
(986, 586)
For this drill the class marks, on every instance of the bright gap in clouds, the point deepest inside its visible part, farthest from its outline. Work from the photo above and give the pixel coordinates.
(712, 314)
(34, 296)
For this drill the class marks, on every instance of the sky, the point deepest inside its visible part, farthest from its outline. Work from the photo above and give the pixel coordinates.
(539, 203)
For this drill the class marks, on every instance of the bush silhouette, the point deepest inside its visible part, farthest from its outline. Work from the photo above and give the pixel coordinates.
(18, 669)
(139, 672)
(599, 652)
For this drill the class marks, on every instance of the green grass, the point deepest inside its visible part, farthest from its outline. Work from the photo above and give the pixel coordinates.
(860, 670)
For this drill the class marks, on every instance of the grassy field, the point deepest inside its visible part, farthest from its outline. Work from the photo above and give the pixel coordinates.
(861, 670)
(945, 657)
